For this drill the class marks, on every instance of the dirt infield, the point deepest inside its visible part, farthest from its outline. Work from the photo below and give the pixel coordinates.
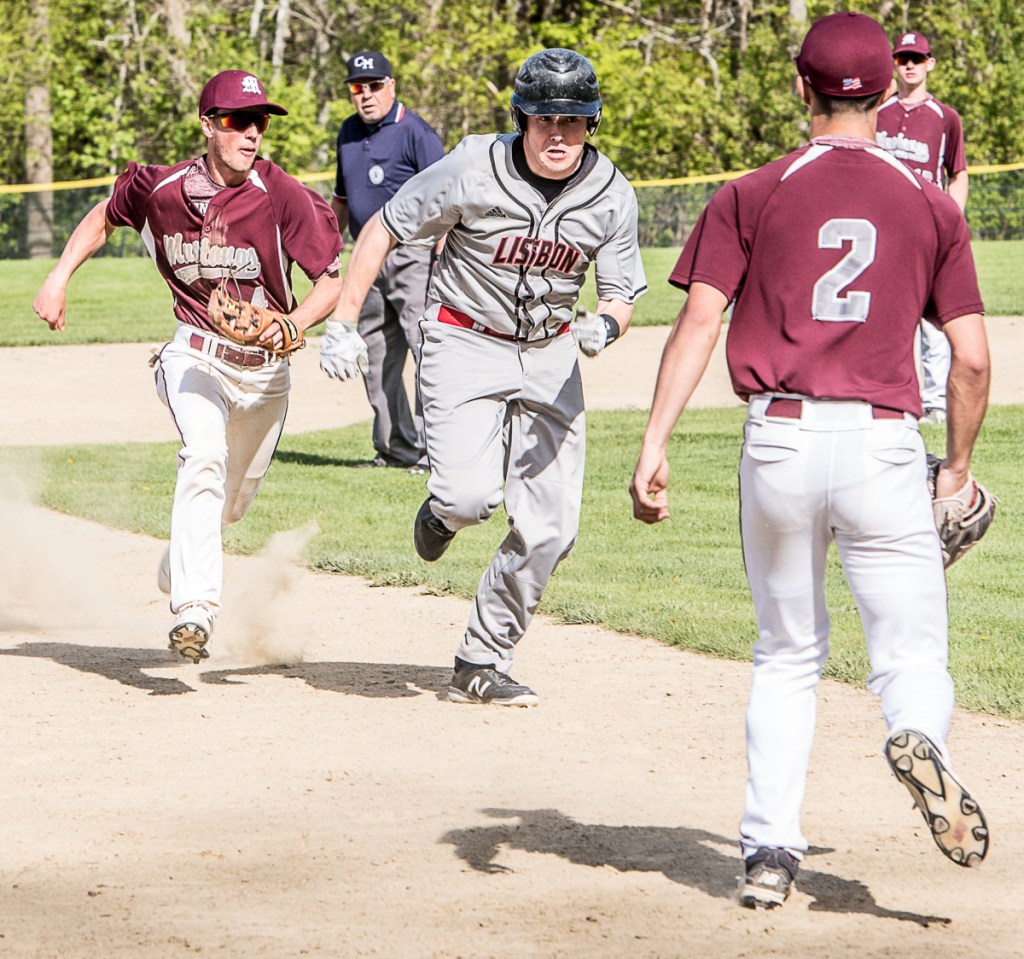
(340, 807)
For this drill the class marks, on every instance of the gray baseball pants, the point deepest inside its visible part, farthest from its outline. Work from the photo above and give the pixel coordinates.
(389, 323)
(505, 422)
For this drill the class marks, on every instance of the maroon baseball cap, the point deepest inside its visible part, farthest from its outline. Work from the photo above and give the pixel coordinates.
(912, 43)
(236, 90)
(846, 55)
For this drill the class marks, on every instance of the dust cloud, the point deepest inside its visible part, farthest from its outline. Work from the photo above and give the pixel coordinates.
(262, 629)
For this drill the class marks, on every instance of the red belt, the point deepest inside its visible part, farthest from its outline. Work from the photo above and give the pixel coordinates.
(792, 409)
(455, 318)
(243, 359)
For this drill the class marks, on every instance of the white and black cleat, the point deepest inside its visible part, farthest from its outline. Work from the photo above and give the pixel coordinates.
(430, 536)
(191, 632)
(955, 819)
(485, 686)
(769, 878)
(189, 641)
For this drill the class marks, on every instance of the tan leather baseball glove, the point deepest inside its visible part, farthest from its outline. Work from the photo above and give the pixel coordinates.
(248, 325)
(963, 518)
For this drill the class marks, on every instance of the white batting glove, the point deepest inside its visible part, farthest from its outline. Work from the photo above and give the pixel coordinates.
(343, 352)
(593, 331)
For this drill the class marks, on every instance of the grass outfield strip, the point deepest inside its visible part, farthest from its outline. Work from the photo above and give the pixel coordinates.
(681, 582)
(114, 300)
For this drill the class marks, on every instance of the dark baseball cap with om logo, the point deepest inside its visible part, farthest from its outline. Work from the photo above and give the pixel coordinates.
(368, 65)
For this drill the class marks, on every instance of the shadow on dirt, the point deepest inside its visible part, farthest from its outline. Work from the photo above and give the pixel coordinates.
(129, 667)
(684, 855)
(373, 680)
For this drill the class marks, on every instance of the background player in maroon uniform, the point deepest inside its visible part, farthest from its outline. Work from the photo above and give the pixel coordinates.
(226, 217)
(828, 292)
(928, 137)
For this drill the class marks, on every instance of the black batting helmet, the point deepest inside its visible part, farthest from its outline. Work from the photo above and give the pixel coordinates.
(556, 82)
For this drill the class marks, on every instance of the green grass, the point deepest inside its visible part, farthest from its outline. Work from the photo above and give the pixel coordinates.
(679, 582)
(113, 300)
(999, 274)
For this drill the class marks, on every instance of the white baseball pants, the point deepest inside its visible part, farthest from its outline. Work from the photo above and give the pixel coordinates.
(230, 421)
(504, 420)
(836, 474)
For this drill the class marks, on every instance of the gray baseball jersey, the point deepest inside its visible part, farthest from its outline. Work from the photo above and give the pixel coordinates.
(511, 261)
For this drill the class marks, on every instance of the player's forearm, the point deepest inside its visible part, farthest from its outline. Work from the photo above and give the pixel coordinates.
(957, 189)
(686, 355)
(91, 233)
(368, 256)
(320, 302)
(966, 391)
(88, 237)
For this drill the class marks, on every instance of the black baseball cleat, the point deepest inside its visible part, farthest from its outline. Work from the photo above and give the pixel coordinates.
(485, 686)
(430, 536)
(956, 821)
(768, 878)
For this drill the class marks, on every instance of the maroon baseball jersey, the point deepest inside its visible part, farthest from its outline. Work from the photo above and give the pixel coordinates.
(199, 234)
(927, 136)
(828, 291)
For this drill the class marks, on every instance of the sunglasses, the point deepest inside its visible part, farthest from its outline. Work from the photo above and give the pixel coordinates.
(902, 59)
(241, 121)
(374, 86)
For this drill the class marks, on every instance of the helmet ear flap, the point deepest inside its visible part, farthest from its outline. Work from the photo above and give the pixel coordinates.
(593, 123)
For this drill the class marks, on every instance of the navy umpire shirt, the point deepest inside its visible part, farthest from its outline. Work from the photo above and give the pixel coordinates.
(374, 161)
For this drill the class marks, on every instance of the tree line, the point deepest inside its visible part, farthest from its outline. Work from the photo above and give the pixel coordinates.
(690, 86)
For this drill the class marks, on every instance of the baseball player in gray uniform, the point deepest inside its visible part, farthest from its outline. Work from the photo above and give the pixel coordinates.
(524, 215)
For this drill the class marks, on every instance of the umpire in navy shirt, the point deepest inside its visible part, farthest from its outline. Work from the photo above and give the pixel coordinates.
(379, 147)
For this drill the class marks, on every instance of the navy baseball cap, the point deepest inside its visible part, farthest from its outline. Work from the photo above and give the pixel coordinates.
(912, 43)
(846, 55)
(368, 65)
(236, 90)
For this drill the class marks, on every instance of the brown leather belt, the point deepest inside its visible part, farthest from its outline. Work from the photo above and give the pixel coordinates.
(233, 356)
(455, 318)
(792, 409)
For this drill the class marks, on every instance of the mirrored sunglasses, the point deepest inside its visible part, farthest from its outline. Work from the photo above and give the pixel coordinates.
(902, 59)
(240, 121)
(374, 86)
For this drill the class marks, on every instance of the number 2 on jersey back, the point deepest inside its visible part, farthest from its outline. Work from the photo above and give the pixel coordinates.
(827, 304)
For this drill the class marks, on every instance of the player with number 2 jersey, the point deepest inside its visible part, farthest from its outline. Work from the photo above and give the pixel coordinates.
(835, 282)
(812, 250)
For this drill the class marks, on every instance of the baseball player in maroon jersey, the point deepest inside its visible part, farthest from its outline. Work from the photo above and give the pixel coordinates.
(928, 137)
(225, 217)
(524, 215)
(812, 249)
